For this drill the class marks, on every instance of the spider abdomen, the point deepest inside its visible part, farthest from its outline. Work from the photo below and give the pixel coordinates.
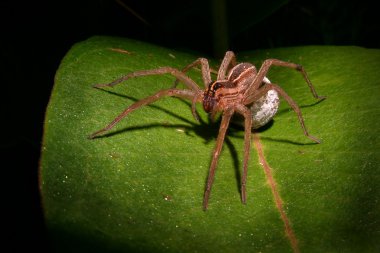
(242, 75)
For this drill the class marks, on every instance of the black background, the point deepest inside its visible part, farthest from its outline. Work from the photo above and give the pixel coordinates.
(36, 35)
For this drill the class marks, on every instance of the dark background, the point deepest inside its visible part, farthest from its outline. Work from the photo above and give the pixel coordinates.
(35, 36)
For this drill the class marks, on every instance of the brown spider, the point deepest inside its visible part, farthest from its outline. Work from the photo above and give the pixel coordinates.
(238, 92)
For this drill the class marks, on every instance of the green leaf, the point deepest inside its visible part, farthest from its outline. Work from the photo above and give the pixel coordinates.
(140, 187)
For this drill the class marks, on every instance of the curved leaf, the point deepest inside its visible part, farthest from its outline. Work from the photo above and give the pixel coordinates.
(140, 187)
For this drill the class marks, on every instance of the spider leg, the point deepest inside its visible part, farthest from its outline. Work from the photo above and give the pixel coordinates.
(160, 71)
(206, 73)
(188, 94)
(270, 86)
(274, 62)
(243, 110)
(229, 59)
(227, 114)
(164, 70)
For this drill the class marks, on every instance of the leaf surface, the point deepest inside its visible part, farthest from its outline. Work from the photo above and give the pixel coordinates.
(140, 187)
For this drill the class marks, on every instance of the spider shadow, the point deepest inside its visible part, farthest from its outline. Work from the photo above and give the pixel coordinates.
(207, 130)
(286, 110)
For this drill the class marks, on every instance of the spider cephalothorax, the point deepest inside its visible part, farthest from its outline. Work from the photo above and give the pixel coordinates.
(222, 92)
(238, 89)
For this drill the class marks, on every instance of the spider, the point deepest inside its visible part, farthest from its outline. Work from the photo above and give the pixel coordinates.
(238, 89)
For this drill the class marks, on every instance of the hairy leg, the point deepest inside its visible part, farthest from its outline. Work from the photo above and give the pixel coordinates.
(227, 114)
(160, 71)
(206, 76)
(228, 60)
(188, 94)
(274, 62)
(243, 110)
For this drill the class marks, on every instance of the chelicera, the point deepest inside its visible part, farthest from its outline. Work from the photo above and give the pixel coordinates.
(239, 89)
